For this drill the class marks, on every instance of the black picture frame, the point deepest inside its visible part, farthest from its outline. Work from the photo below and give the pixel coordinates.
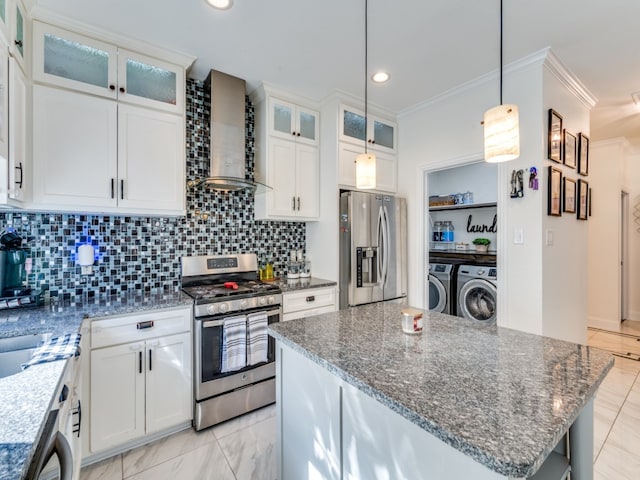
(554, 141)
(583, 154)
(569, 195)
(582, 197)
(554, 193)
(590, 199)
(569, 150)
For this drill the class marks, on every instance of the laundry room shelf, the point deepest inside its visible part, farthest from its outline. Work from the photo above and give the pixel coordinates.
(463, 206)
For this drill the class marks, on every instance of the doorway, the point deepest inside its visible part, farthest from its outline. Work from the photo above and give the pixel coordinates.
(624, 256)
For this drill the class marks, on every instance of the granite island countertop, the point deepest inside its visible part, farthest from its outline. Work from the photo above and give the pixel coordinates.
(503, 397)
(25, 398)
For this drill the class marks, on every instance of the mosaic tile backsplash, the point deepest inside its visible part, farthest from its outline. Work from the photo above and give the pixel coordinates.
(143, 253)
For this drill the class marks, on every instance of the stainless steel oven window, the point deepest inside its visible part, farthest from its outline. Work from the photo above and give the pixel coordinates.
(210, 345)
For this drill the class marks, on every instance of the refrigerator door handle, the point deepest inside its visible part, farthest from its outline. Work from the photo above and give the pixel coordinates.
(380, 253)
(385, 245)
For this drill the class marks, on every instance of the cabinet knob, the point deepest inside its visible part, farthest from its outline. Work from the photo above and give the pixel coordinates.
(112, 87)
(121, 89)
(293, 133)
(298, 134)
(18, 43)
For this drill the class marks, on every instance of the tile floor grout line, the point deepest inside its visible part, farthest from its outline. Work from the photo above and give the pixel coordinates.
(616, 418)
(224, 455)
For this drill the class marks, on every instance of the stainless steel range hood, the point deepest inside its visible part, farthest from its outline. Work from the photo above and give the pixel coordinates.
(227, 126)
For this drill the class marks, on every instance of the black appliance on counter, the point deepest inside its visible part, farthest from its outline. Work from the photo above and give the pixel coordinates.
(13, 258)
(223, 287)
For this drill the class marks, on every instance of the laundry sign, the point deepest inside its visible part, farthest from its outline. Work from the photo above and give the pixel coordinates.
(482, 227)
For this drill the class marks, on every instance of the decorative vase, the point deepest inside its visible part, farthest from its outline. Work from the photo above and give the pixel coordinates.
(482, 248)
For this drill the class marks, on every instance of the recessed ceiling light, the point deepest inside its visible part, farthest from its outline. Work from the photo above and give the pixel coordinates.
(380, 77)
(220, 4)
(636, 98)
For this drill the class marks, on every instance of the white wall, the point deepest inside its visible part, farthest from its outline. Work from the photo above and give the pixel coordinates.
(478, 178)
(632, 186)
(609, 173)
(565, 263)
(447, 132)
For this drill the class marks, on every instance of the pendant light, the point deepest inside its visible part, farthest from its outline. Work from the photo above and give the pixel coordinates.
(501, 126)
(366, 162)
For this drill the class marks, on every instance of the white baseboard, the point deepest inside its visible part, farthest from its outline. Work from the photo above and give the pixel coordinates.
(634, 315)
(603, 323)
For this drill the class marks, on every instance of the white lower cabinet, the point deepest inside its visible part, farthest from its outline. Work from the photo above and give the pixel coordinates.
(142, 386)
(309, 302)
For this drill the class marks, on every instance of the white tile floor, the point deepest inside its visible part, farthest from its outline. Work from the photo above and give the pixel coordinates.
(244, 448)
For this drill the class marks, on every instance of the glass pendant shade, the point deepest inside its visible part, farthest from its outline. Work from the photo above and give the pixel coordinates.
(366, 171)
(501, 134)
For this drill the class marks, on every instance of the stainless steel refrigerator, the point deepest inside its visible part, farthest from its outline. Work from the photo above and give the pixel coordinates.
(373, 248)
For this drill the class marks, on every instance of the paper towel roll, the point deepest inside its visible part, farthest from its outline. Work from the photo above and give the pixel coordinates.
(85, 255)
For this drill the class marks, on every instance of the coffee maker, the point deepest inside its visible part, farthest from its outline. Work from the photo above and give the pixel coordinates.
(13, 258)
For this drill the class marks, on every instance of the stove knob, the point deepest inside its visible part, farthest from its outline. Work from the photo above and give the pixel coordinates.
(262, 300)
(212, 309)
(243, 304)
(272, 299)
(224, 307)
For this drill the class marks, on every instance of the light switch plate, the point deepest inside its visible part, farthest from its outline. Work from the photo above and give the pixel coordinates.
(549, 238)
(518, 236)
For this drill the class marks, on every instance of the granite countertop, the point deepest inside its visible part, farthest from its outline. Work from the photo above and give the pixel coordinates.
(296, 284)
(25, 398)
(501, 396)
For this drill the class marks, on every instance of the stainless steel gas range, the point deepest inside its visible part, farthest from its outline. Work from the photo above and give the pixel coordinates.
(234, 359)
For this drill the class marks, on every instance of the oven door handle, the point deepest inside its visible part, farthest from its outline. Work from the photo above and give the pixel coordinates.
(219, 323)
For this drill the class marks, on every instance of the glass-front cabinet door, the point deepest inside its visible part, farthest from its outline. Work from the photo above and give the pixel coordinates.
(293, 122)
(4, 15)
(74, 61)
(380, 134)
(150, 82)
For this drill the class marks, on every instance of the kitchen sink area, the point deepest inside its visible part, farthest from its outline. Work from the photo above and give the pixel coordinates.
(14, 351)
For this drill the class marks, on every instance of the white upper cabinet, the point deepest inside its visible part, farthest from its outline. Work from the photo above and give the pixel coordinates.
(78, 62)
(15, 30)
(379, 133)
(291, 121)
(108, 130)
(287, 159)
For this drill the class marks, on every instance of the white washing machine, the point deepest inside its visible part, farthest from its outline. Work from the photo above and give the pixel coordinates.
(441, 292)
(477, 292)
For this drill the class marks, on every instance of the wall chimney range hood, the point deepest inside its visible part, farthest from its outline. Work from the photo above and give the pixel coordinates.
(227, 162)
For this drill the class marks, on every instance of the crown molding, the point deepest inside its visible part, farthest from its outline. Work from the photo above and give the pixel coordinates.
(555, 66)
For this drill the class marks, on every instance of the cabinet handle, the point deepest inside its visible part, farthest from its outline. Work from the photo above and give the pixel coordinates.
(19, 168)
(293, 204)
(140, 361)
(112, 87)
(121, 89)
(150, 360)
(121, 189)
(298, 203)
(113, 186)
(298, 134)
(293, 133)
(311, 298)
(18, 43)
(373, 142)
(77, 426)
(144, 325)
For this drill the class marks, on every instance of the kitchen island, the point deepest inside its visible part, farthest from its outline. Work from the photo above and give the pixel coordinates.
(357, 398)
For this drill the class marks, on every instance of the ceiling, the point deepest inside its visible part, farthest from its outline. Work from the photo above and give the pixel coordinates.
(312, 47)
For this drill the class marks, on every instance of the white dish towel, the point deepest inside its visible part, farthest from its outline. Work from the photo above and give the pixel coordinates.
(258, 340)
(234, 343)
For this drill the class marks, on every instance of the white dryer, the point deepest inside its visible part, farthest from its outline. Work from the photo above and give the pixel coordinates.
(477, 293)
(441, 292)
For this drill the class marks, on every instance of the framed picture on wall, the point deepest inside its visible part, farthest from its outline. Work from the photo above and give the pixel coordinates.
(555, 136)
(583, 197)
(590, 200)
(569, 197)
(554, 192)
(583, 154)
(569, 154)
